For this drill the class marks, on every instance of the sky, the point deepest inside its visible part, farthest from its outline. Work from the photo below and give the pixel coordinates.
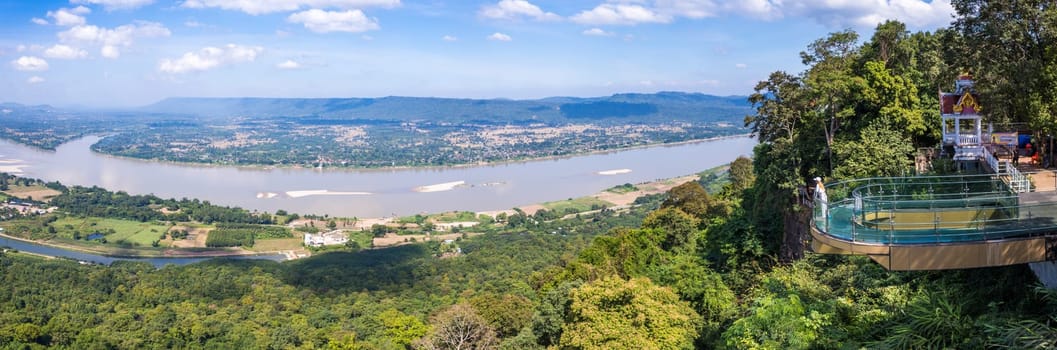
(124, 53)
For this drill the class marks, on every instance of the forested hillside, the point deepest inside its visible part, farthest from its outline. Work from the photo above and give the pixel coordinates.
(643, 108)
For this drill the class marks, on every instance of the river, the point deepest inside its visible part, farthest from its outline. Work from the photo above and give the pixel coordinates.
(371, 193)
(107, 260)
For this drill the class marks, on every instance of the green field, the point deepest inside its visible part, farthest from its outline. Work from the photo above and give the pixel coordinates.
(133, 232)
(576, 205)
(276, 244)
(455, 216)
(364, 238)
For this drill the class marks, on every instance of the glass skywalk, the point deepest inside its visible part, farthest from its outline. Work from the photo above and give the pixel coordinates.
(933, 210)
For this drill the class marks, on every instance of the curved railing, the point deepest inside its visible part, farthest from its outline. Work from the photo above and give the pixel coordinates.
(930, 209)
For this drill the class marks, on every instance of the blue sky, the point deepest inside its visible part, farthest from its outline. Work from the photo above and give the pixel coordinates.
(107, 53)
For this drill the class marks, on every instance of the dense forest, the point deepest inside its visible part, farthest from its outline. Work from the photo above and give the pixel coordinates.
(722, 270)
(684, 272)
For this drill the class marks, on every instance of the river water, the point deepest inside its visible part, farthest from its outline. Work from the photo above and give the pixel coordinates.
(371, 193)
(107, 260)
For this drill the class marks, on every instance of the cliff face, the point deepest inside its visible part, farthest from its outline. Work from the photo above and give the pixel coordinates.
(1046, 271)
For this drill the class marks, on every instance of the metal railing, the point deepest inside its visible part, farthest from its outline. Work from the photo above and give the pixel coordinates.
(989, 157)
(971, 139)
(930, 209)
(1017, 180)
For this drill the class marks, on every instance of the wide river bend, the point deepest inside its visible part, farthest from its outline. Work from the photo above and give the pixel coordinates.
(371, 193)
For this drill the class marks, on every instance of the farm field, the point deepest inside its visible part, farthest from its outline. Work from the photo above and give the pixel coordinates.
(115, 230)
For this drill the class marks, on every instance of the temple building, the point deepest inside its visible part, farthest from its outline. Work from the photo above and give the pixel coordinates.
(962, 123)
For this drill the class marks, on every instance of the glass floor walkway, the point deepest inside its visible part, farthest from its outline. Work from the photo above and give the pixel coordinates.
(933, 209)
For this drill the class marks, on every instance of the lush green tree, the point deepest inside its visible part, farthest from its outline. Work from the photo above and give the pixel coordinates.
(506, 313)
(889, 44)
(878, 152)
(704, 289)
(741, 174)
(1009, 47)
(379, 230)
(785, 157)
(890, 99)
(678, 227)
(775, 323)
(829, 78)
(690, 198)
(613, 313)
(403, 329)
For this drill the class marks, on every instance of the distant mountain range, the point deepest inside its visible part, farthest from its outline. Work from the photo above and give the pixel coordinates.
(658, 107)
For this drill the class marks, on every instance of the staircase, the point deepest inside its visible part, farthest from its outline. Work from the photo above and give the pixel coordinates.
(1017, 181)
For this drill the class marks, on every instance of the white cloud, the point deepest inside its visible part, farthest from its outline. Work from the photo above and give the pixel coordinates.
(319, 21)
(257, 7)
(193, 24)
(449, 38)
(30, 64)
(500, 37)
(516, 9)
(112, 39)
(288, 64)
(69, 17)
(115, 4)
(110, 51)
(833, 13)
(210, 57)
(34, 80)
(836, 14)
(61, 51)
(39, 21)
(740, 65)
(596, 32)
(620, 13)
(915, 13)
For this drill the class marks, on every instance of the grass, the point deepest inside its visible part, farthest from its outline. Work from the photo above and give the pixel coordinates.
(133, 232)
(576, 205)
(42, 193)
(276, 244)
(455, 216)
(364, 238)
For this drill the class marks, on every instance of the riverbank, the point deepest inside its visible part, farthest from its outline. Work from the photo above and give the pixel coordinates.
(608, 198)
(138, 253)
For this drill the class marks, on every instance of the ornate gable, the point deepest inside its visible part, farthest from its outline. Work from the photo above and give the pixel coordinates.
(967, 104)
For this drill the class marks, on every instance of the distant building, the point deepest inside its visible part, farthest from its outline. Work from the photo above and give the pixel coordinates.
(335, 237)
(447, 226)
